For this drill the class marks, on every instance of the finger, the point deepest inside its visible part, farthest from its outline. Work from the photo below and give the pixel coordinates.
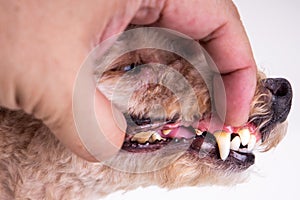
(52, 63)
(93, 132)
(231, 51)
(112, 124)
(148, 12)
(218, 26)
(239, 89)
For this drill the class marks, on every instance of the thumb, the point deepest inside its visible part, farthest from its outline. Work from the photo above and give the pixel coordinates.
(99, 128)
(112, 124)
(99, 125)
(94, 136)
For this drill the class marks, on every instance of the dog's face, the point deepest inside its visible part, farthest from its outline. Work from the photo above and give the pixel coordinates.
(167, 103)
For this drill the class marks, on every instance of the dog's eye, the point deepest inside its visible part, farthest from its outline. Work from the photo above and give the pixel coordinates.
(129, 67)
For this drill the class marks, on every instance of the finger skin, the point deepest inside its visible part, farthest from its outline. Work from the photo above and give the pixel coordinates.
(43, 44)
(218, 27)
(110, 121)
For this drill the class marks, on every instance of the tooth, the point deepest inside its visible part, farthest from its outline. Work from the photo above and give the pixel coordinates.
(235, 143)
(166, 132)
(176, 140)
(141, 137)
(155, 137)
(251, 143)
(223, 140)
(244, 134)
(198, 132)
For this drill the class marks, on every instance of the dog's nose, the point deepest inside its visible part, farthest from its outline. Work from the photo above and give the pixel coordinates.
(282, 96)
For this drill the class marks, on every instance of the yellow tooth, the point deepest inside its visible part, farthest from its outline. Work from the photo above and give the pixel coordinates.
(252, 142)
(155, 137)
(223, 140)
(235, 143)
(166, 132)
(142, 137)
(244, 134)
(198, 132)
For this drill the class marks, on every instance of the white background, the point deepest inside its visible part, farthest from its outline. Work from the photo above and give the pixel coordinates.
(273, 27)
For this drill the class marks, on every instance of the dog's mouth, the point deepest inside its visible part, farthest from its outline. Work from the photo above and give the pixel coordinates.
(141, 71)
(231, 145)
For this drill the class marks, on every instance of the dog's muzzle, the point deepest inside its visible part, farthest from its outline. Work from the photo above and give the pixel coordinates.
(281, 102)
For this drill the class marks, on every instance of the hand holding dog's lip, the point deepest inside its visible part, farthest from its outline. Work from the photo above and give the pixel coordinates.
(51, 57)
(223, 36)
(66, 49)
(32, 158)
(239, 89)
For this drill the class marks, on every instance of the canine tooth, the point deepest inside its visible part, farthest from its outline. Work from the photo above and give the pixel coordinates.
(198, 132)
(166, 131)
(244, 134)
(251, 143)
(235, 143)
(155, 137)
(223, 140)
(142, 137)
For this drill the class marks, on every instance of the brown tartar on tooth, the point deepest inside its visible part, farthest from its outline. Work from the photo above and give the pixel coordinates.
(156, 137)
(147, 136)
(142, 137)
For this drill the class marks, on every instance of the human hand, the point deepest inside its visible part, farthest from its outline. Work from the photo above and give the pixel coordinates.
(218, 27)
(44, 44)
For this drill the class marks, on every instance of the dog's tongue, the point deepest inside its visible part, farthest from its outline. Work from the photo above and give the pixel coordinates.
(178, 132)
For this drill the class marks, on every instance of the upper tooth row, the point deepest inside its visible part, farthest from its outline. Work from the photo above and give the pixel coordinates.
(244, 137)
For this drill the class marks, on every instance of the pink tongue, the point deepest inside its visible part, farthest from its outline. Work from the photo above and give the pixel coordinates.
(180, 132)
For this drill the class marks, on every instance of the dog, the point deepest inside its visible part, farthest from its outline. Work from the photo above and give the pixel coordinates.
(165, 95)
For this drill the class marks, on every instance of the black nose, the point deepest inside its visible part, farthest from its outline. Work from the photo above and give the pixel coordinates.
(282, 93)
